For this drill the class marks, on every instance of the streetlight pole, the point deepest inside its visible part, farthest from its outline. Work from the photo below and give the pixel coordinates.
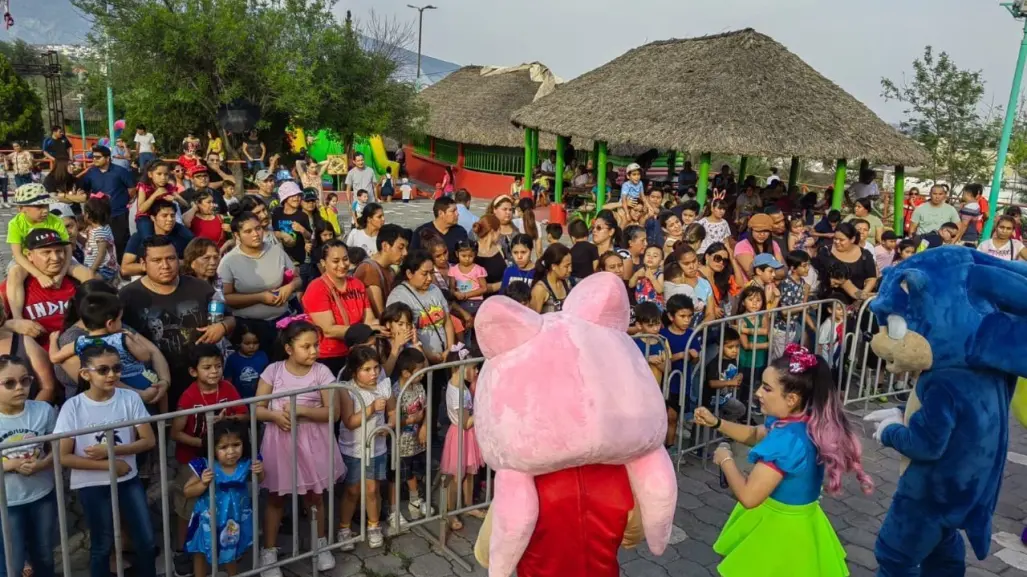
(420, 28)
(1018, 9)
(110, 91)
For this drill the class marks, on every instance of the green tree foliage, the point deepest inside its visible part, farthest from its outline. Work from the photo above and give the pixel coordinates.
(944, 113)
(175, 63)
(20, 107)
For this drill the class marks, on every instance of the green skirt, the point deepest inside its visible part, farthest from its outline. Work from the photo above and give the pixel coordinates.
(778, 540)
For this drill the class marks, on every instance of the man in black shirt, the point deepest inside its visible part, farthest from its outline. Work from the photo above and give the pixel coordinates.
(444, 224)
(57, 146)
(171, 311)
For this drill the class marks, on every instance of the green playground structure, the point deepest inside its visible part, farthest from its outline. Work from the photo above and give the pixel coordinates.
(372, 148)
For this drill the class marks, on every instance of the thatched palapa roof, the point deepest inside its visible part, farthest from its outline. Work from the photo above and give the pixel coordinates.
(735, 93)
(473, 105)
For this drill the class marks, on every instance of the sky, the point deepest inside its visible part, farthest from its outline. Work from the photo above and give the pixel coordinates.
(853, 44)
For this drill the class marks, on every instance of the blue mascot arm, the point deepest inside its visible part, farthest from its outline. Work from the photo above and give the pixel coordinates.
(927, 434)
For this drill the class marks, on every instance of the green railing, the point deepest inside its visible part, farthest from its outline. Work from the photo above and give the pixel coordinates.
(446, 151)
(97, 128)
(422, 145)
(497, 160)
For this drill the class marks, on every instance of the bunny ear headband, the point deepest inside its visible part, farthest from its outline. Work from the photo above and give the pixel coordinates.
(285, 322)
(461, 351)
(800, 359)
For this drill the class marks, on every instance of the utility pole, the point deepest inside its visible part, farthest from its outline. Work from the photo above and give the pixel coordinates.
(420, 29)
(1018, 8)
(110, 91)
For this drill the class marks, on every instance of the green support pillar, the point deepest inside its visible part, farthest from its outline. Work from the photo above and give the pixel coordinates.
(839, 185)
(1007, 132)
(900, 200)
(561, 144)
(601, 176)
(526, 184)
(743, 165)
(704, 178)
(534, 149)
(793, 176)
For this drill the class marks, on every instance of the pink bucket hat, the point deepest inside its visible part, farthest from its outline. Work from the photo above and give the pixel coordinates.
(288, 189)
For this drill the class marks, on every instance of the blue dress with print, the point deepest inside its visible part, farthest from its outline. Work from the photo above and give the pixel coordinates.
(234, 513)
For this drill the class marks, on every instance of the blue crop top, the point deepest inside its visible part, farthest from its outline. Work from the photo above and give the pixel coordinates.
(788, 449)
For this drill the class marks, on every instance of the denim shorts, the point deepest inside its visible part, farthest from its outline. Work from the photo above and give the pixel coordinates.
(376, 470)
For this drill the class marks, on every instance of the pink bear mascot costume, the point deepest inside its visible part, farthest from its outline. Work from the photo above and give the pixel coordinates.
(569, 416)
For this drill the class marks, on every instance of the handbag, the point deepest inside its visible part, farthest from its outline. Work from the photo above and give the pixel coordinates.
(425, 309)
(334, 294)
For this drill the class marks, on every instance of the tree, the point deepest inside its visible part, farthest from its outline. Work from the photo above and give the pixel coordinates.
(176, 63)
(20, 107)
(944, 113)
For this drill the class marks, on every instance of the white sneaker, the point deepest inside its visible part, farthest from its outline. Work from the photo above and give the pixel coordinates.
(397, 524)
(375, 538)
(269, 557)
(325, 559)
(416, 508)
(345, 535)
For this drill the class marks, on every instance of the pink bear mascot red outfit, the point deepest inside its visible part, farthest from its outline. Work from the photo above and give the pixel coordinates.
(569, 416)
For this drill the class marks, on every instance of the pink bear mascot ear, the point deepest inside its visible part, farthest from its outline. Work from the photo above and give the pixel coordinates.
(567, 390)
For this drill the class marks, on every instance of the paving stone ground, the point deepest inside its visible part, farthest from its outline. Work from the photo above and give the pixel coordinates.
(702, 509)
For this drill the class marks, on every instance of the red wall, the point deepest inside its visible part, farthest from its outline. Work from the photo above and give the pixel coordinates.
(480, 184)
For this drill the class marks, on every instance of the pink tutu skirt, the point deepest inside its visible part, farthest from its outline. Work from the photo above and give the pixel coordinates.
(472, 454)
(314, 441)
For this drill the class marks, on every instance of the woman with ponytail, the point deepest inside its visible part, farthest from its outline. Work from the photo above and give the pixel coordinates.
(778, 528)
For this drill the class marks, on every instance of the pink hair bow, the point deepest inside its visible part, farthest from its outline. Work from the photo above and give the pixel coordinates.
(461, 351)
(800, 359)
(98, 195)
(282, 323)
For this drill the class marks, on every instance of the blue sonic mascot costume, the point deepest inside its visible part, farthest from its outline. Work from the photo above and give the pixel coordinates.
(957, 317)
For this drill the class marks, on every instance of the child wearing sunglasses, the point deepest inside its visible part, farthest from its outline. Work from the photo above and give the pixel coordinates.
(28, 479)
(88, 456)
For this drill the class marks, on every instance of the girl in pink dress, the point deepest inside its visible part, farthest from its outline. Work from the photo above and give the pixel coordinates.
(315, 436)
(467, 279)
(459, 393)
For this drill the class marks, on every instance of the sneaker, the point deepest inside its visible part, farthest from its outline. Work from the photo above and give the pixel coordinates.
(375, 538)
(415, 508)
(269, 557)
(183, 563)
(325, 559)
(397, 524)
(345, 535)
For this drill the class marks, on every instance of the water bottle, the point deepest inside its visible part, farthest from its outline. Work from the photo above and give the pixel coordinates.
(216, 308)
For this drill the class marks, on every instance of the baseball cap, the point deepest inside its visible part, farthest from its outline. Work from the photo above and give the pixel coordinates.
(761, 222)
(197, 169)
(288, 189)
(766, 259)
(32, 194)
(262, 175)
(43, 237)
(310, 194)
(358, 334)
(632, 168)
(62, 210)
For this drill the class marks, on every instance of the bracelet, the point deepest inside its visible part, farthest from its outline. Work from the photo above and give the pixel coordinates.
(716, 427)
(726, 459)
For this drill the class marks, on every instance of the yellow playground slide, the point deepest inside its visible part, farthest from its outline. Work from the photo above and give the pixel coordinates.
(381, 159)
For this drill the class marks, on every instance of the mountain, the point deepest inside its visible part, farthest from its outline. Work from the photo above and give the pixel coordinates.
(58, 22)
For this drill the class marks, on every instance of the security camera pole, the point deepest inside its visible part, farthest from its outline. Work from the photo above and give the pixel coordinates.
(1018, 9)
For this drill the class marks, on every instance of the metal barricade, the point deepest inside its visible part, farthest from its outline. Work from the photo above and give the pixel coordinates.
(457, 370)
(208, 414)
(866, 378)
(809, 329)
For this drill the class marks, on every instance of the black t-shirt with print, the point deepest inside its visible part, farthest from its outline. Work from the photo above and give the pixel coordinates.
(583, 258)
(282, 222)
(169, 322)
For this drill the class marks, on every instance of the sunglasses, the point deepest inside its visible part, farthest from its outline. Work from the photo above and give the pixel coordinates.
(104, 370)
(25, 382)
(599, 228)
(718, 258)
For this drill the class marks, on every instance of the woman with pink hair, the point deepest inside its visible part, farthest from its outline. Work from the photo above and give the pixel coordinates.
(778, 528)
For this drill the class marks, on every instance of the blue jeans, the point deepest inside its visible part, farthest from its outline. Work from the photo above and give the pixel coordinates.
(31, 531)
(96, 504)
(20, 179)
(144, 159)
(255, 165)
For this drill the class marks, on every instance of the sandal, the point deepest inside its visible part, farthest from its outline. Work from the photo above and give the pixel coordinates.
(27, 570)
(455, 524)
(477, 513)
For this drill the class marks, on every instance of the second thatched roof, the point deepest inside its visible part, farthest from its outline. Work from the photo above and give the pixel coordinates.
(736, 93)
(473, 105)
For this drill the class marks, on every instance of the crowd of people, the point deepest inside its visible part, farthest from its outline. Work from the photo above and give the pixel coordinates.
(212, 293)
